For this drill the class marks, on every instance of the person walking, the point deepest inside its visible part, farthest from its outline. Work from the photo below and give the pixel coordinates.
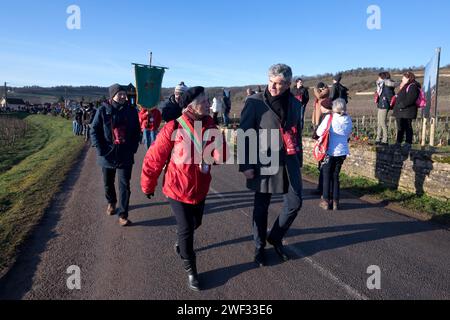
(405, 109)
(186, 182)
(171, 109)
(274, 110)
(88, 117)
(385, 93)
(150, 120)
(340, 129)
(116, 134)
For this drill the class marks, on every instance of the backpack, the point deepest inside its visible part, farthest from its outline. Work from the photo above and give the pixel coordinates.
(421, 101)
(321, 146)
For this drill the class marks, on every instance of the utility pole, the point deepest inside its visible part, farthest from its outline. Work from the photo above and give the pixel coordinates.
(6, 96)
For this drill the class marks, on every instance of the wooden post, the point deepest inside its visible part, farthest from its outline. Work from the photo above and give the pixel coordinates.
(432, 131)
(424, 132)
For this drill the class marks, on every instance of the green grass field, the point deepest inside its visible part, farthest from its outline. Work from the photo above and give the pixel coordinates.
(43, 158)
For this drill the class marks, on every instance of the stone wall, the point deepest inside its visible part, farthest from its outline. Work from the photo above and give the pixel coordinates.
(413, 171)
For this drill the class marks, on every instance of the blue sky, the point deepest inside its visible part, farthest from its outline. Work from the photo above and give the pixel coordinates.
(215, 42)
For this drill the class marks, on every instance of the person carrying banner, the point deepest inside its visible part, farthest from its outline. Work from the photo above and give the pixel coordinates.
(116, 135)
(273, 115)
(171, 109)
(187, 175)
(150, 120)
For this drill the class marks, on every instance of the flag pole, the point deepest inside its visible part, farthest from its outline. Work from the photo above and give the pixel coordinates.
(434, 117)
(151, 58)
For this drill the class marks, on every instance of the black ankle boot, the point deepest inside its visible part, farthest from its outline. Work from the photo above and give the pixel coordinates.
(190, 267)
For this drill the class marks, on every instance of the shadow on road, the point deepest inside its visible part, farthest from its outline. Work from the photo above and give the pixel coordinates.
(355, 234)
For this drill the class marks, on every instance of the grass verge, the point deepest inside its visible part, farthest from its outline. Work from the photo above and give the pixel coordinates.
(435, 209)
(27, 189)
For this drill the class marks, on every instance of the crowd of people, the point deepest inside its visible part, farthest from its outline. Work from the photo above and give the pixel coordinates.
(117, 128)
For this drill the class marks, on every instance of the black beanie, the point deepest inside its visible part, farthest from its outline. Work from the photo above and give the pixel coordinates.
(114, 89)
(190, 96)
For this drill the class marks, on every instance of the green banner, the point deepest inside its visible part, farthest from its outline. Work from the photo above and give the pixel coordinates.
(148, 85)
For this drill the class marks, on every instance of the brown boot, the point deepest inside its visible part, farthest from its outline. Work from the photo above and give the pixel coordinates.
(324, 205)
(124, 222)
(111, 210)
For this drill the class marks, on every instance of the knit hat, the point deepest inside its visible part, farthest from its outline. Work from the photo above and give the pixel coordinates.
(181, 87)
(190, 96)
(327, 104)
(321, 85)
(114, 89)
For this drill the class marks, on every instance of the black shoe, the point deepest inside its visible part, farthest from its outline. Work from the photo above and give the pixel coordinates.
(260, 257)
(190, 267)
(279, 249)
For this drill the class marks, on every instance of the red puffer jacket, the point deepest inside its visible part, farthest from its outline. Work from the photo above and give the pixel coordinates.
(183, 180)
(150, 119)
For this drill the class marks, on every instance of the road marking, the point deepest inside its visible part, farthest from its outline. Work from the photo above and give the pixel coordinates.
(322, 270)
(328, 274)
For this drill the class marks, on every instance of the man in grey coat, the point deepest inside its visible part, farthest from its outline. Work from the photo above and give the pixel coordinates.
(273, 117)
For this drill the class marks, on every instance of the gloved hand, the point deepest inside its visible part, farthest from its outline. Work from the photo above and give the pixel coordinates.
(150, 195)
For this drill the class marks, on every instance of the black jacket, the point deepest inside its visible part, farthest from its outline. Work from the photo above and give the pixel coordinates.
(384, 101)
(339, 91)
(405, 106)
(112, 155)
(303, 93)
(258, 115)
(171, 110)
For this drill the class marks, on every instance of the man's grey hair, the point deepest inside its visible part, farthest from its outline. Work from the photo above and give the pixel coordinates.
(340, 106)
(281, 70)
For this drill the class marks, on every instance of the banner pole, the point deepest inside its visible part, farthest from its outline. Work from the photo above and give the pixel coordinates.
(151, 58)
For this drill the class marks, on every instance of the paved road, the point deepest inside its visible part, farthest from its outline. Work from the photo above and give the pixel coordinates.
(332, 250)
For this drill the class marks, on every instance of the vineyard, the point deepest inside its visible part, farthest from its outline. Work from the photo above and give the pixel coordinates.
(365, 130)
(11, 130)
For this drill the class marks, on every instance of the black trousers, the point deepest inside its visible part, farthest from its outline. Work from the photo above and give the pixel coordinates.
(292, 203)
(109, 178)
(331, 168)
(189, 218)
(404, 126)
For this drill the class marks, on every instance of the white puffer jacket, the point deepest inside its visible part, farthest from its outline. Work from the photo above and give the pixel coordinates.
(340, 131)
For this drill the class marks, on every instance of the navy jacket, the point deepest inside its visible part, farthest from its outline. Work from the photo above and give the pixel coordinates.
(112, 155)
(171, 110)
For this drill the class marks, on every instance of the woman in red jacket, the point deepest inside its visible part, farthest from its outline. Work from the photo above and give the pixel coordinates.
(186, 147)
(150, 120)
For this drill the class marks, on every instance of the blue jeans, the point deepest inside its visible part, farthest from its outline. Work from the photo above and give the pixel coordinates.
(149, 137)
(226, 119)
